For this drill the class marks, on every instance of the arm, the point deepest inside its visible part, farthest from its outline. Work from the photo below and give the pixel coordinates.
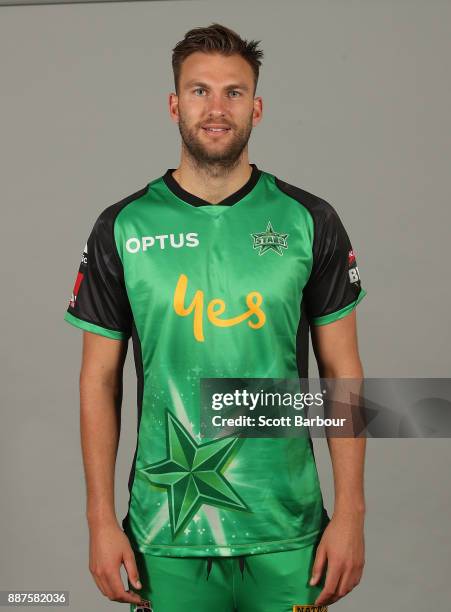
(342, 545)
(100, 406)
(100, 418)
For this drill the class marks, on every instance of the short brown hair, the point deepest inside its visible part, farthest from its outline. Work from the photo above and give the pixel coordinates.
(216, 38)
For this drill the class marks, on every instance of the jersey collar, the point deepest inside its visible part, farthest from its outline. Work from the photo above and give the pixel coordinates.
(194, 200)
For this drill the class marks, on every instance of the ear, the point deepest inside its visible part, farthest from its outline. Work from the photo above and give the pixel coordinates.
(173, 106)
(258, 110)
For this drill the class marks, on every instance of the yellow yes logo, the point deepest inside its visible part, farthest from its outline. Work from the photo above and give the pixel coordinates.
(215, 308)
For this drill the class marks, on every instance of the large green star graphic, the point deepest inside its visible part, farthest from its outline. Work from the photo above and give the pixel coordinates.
(191, 474)
(270, 240)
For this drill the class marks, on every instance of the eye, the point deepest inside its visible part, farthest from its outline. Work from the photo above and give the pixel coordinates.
(199, 89)
(234, 91)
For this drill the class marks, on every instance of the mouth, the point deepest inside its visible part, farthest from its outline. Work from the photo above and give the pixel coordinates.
(215, 130)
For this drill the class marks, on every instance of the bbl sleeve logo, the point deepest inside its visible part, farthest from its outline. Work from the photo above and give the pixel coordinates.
(80, 276)
(353, 271)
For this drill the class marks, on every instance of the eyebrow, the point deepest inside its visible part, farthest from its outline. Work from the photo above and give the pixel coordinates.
(242, 86)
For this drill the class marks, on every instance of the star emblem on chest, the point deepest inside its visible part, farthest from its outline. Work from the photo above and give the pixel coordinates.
(270, 240)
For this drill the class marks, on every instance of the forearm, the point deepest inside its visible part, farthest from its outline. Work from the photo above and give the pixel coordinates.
(347, 454)
(100, 428)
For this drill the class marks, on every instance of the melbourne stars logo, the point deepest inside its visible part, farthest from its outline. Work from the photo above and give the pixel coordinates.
(270, 241)
(191, 473)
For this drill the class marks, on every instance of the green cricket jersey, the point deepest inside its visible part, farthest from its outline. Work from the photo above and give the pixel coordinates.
(210, 291)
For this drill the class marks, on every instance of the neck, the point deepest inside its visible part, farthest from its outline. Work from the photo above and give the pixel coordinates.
(213, 183)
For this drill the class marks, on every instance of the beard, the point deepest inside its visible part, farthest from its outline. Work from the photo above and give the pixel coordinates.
(225, 157)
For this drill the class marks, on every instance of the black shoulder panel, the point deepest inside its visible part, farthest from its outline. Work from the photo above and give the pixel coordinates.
(99, 296)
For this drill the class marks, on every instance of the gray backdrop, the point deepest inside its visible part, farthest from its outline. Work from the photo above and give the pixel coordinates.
(356, 109)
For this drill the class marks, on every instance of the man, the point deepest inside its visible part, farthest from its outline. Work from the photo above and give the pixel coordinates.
(215, 269)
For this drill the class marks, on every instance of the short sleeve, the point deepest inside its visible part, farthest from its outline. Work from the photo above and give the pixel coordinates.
(99, 301)
(334, 286)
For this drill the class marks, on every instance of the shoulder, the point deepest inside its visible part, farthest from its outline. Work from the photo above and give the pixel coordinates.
(320, 209)
(102, 233)
(109, 214)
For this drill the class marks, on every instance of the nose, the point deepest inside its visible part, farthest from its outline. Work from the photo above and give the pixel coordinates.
(217, 105)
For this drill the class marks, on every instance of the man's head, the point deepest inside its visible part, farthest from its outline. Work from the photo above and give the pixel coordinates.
(215, 75)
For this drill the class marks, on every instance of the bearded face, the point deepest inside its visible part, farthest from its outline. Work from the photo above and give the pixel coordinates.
(215, 108)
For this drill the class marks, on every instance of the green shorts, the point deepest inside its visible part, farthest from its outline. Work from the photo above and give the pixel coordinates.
(270, 582)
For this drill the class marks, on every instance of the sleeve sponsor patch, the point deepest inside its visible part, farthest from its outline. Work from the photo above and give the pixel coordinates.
(353, 271)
